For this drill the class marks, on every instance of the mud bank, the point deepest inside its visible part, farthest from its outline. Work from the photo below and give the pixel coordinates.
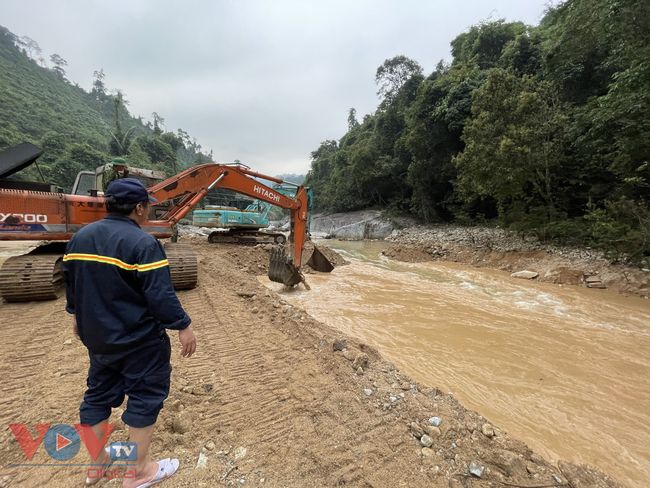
(271, 398)
(495, 248)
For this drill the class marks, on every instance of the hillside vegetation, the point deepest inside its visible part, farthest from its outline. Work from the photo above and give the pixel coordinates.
(542, 129)
(78, 130)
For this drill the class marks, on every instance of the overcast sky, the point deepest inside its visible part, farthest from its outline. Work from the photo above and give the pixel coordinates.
(260, 81)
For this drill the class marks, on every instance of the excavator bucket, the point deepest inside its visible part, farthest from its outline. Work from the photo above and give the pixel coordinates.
(318, 262)
(282, 269)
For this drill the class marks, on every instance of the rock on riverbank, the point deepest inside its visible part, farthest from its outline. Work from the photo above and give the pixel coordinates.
(509, 251)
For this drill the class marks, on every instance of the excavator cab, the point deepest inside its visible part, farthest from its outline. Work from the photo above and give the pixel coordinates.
(88, 182)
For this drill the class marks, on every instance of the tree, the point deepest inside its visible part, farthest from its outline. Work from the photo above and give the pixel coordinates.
(99, 88)
(172, 141)
(184, 137)
(352, 119)
(31, 47)
(393, 73)
(157, 122)
(599, 56)
(59, 64)
(436, 121)
(615, 131)
(120, 140)
(53, 145)
(523, 54)
(77, 157)
(592, 40)
(320, 174)
(161, 154)
(514, 141)
(20, 43)
(484, 43)
(119, 94)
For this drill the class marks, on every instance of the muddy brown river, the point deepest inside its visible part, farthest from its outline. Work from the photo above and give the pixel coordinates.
(566, 369)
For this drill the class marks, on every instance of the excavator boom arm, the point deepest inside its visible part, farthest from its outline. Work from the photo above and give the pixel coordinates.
(192, 185)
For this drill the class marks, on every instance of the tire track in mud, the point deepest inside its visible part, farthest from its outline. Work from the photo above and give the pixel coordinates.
(31, 350)
(28, 333)
(249, 393)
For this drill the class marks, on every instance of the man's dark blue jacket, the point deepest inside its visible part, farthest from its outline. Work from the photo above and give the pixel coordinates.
(119, 286)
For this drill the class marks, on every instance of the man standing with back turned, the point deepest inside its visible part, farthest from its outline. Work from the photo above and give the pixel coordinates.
(120, 293)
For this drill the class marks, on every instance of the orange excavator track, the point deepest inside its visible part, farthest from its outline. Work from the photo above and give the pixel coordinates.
(183, 265)
(32, 277)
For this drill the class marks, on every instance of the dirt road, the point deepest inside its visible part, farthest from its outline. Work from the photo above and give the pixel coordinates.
(267, 399)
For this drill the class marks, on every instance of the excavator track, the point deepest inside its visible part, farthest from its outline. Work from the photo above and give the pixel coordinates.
(38, 276)
(32, 277)
(183, 265)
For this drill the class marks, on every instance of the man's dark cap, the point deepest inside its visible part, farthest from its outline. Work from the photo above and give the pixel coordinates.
(128, 190)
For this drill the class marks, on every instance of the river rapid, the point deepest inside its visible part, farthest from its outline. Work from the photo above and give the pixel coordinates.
(565, 369)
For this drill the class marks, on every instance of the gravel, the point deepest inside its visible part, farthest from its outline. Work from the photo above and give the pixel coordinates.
(416, 430)
(487, 430)
(484, 238)
(476, 469)
(202, 462)
(426, 441)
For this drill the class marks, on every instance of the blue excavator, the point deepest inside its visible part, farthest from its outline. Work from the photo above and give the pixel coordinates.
(245, 226)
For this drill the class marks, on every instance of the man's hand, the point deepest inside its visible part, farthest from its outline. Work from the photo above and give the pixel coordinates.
(75, 330)
(188, 341)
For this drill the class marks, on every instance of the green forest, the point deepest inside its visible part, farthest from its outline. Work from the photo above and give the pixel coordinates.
(78, 129)
(540, 129)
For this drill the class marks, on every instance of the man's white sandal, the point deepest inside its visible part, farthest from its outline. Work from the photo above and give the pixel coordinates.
(166, 468)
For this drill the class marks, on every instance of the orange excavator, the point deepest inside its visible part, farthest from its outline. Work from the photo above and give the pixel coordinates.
(28, 211)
